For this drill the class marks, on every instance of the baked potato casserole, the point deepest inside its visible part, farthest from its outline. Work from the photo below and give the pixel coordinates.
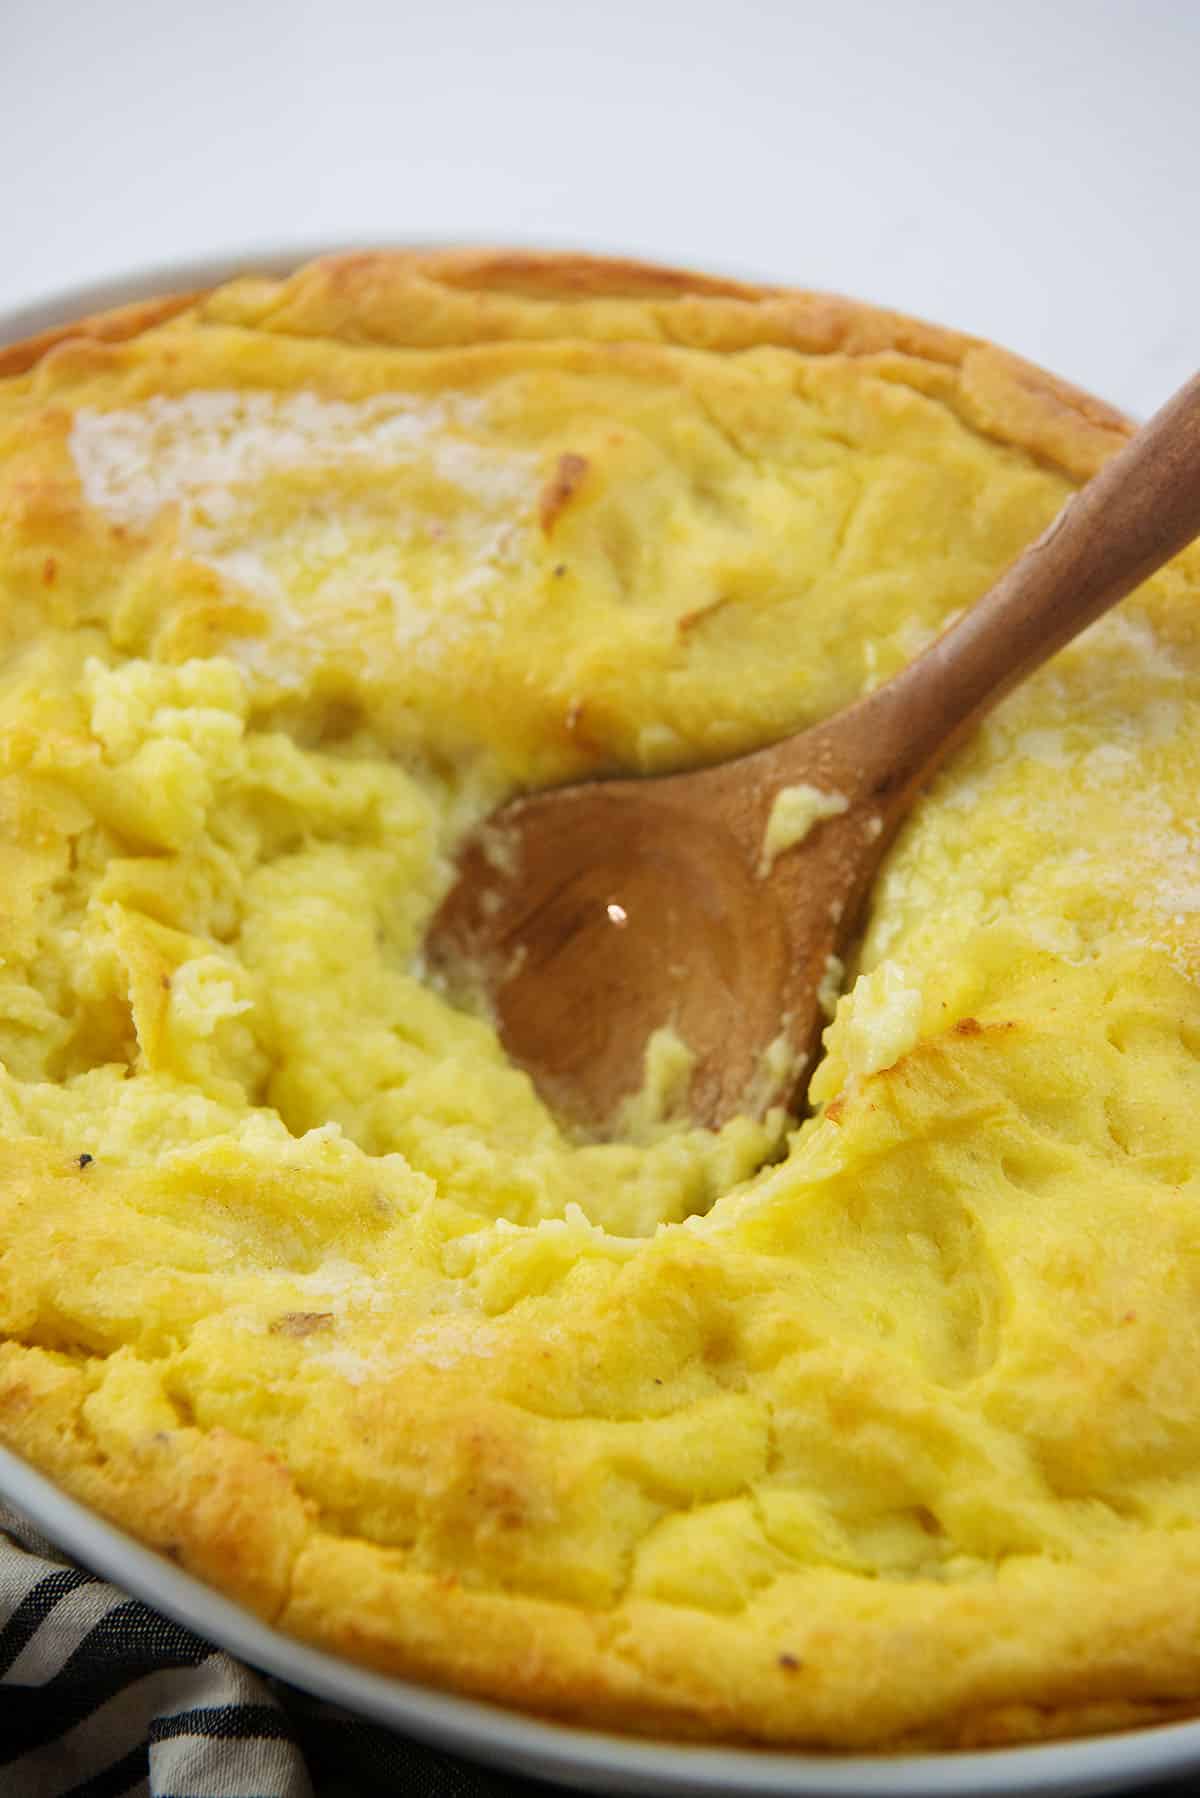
(873, 1429)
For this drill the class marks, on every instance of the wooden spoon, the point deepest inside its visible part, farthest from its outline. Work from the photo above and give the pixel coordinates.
(591, 915)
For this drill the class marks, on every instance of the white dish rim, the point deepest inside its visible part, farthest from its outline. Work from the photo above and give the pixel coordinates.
(587, 1759)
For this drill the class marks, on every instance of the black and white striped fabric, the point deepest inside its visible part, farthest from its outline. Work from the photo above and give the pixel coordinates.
(100, 1697)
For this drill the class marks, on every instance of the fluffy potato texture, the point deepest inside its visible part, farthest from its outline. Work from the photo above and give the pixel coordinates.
(879, 1429)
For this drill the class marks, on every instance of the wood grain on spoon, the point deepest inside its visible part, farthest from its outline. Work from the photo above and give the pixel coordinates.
(592, 915)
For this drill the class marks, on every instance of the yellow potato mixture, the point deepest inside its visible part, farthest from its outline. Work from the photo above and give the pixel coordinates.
(879, 1428)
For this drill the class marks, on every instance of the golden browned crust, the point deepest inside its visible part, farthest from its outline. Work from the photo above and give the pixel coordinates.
(468, 296)
(114, 326)
(230, 1512)
(401, 296)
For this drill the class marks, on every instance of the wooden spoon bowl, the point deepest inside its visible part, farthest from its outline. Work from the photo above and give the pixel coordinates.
(592, 915)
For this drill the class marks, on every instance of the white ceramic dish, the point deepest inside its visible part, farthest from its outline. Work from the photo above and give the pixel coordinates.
(586, 1759)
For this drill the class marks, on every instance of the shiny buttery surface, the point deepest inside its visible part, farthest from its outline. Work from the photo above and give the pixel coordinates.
(892, 1441)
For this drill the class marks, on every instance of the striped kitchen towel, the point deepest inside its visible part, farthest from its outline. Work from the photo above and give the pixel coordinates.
(100, 1697)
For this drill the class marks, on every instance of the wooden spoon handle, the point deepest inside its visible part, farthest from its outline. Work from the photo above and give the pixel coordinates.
(1139, 511)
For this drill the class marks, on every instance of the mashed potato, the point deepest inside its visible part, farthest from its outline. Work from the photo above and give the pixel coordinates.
(878, 1429)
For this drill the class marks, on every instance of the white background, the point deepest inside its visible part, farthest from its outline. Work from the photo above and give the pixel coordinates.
(1028, 170)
